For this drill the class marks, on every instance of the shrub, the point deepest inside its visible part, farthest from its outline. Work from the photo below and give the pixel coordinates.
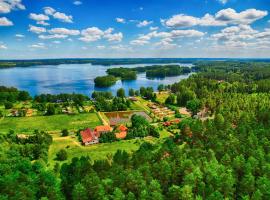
(61, 155)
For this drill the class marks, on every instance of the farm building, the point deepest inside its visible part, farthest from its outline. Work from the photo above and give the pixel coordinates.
(122, 132)
(89, 137)
(102, 129)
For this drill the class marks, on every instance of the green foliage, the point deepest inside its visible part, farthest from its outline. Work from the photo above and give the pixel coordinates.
(64, 132)
(12, 95)
(61, 155)
(148, 93)
(121, 93)
(123, 73)
(170, 100)
(166, 70)
(8, 105)
(105, 94)
(51, 109)
(107, 137)
(117, 104)
(105, 81)
(225, 156)
(131, 92)
(50, 98)
(194, 106)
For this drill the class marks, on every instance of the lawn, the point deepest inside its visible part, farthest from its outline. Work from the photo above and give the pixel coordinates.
(49, 123)
(142, 104)
(95, 152)
(162, 96)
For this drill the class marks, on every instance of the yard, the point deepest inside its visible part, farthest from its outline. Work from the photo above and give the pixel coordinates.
(162, 96)
(97, 151)
(49, 123)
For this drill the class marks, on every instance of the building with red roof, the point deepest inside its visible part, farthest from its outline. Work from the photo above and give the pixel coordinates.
(102, 129)
(89, 137)
(122, 132)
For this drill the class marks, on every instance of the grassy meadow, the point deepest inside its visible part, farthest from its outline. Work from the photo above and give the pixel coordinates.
(96, 151)
(48, 123)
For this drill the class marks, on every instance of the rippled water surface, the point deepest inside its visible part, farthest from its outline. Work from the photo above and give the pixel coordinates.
(78, 78)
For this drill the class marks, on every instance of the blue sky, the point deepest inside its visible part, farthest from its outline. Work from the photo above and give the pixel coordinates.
(134, 28)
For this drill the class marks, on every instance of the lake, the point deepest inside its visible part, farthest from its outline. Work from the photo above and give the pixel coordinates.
(78, 78)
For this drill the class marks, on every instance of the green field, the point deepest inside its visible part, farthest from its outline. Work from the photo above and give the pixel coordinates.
(162, 96)
(49, 123)
(97, 151)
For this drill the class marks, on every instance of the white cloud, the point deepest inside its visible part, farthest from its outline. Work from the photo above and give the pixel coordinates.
(120, 20)
(55, 36)
(153, 28)
(43, 23)
(186, 33)
(116, 37)
(166, 44)
(77, 3)
(242, 36)
(38, 46)
(49, 10)
(58, 15)
(64, 31)
(230, 16)
(222, 18)
(121, 47)
(101, 47)
(5, 22)
(38, 17)
(235, 33)
(19, 36)
(63, 17)
(7, 5)
(36, 29)
(167, 37)
(139, 42)
(93, 34)
(144, 23)
(2, 46)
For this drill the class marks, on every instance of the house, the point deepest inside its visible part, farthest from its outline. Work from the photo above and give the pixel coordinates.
(171, 122)
(89, 137)
(133, 98)
(102, 129)
(29, 113)
(122, 128)
(122, 132)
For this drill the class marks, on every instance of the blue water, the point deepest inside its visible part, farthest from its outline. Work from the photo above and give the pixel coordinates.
(69, 78)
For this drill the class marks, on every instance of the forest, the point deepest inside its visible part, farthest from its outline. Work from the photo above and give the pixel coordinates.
(226, 155)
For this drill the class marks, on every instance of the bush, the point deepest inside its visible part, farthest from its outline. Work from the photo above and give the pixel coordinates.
(61, 155)
(8, 105)
(65, 133)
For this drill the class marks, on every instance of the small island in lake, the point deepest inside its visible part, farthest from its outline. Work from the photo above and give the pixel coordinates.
(105, 81)
(153, 71)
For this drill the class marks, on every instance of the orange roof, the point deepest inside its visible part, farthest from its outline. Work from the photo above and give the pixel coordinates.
(121, 135)
(88, 135)
(106, 128)
(122, 128)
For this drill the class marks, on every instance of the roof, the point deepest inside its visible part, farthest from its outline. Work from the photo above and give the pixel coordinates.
(122, 128)
(88, 135)
(106, 128)
(121, 135)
